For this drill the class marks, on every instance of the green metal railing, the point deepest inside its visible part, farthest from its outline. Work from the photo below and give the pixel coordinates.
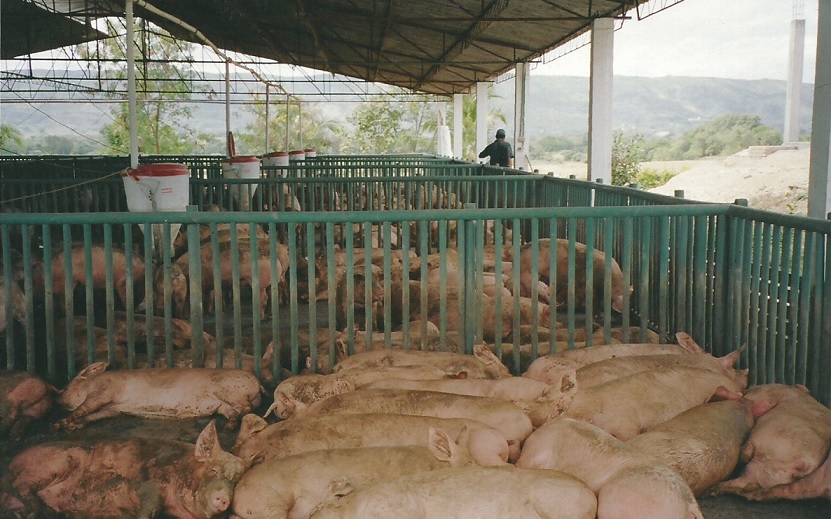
(726, 274)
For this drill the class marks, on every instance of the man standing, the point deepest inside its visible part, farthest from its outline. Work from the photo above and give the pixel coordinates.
(499, 151)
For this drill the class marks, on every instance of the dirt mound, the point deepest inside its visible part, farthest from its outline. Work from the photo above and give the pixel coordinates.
(775, 182)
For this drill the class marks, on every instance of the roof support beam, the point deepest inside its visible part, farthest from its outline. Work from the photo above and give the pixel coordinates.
(477, 28)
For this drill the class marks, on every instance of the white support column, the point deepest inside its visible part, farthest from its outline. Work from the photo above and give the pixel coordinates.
(521, 159)
(819, 179)
(482, 110)
(793, 95)
(600, 100)
(132, 119)
(458, 124)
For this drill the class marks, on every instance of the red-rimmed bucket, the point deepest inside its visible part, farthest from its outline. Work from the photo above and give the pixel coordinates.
(279, 160)
(158, 188)
(297, 155)
(243, 167)
(311, 153)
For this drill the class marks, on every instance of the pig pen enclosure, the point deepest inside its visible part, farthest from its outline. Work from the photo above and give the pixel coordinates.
(339, 255)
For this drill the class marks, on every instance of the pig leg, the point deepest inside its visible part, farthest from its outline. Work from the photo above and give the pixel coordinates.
(815, 484)
(94, 408)
(151, 501)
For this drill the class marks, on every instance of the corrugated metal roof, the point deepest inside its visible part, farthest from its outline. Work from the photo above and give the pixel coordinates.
(432, 46)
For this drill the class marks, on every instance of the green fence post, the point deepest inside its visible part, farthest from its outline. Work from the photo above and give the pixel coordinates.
(197, 345)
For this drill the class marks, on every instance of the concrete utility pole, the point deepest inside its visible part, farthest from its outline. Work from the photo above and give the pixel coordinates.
(794, 92)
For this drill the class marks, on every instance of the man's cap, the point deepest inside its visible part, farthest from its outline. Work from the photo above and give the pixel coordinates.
(500, 133)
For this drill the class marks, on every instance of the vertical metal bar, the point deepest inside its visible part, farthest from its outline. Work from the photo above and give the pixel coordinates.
(535, 296)
(720, 271)
(110, 290)
(275, 303)
(49, 303)
(130, 274)
(387, 234)
(148, 288)
(515, 328)
(572, 266)
(757, 305)
(293, 309)
(5, 239)
(793, 308)
(663, 275)
(259, 300)
(443, 277)
(368, 299)
(167, 310)
(467, 287)
(681, 267)
(90, 301)
(626, 270)
(219, 301)
(644, 282)
(235, 253)
(766, 315)
(553, 247)
(804, 316)
(588, 324)
(782, 306)
(195, 281)
(69, 300)
(310, 280)
(497, 300)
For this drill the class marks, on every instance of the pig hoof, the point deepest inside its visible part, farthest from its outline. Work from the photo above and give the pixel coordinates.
(231, 424)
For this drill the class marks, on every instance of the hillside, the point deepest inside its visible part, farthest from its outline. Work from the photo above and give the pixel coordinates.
(557, 105)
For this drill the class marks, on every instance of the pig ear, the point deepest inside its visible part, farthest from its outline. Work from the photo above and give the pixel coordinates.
(568, 383)
(93, 369)
(484, 354)
(803, 389)
(341, 385)
(207, 445)
(687, 342)
(729, 361)
(722, 393)
(251, 424)
(340, 487)
(761, 407)
(441, 445)
(268, 355)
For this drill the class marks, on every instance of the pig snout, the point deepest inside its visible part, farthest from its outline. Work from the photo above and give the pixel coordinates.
(215, 498)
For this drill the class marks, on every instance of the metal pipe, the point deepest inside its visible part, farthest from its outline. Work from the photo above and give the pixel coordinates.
(131, 84)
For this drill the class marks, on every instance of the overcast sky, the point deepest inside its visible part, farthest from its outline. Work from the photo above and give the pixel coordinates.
(742, 39)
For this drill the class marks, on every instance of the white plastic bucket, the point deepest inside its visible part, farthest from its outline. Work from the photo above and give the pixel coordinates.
(297, 155)
(311, 153)
(158, 188)
(277, 159)
(244, 167)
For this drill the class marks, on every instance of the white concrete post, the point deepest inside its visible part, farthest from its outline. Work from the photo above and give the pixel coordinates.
(794, 91)
(521, 160)
(482, 110)
(600, 100)
(819, 179)
(458, 124)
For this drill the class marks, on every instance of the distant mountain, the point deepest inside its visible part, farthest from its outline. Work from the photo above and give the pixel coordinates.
(652, 106)
(557, 105)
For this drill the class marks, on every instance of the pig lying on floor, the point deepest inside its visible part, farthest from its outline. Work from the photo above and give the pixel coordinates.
(119, 478)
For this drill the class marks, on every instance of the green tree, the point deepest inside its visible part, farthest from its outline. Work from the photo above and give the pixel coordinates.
(10, 137)
(163, 86)
(627, 154)
(724, 135)
(305, 120)
(469, 151)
